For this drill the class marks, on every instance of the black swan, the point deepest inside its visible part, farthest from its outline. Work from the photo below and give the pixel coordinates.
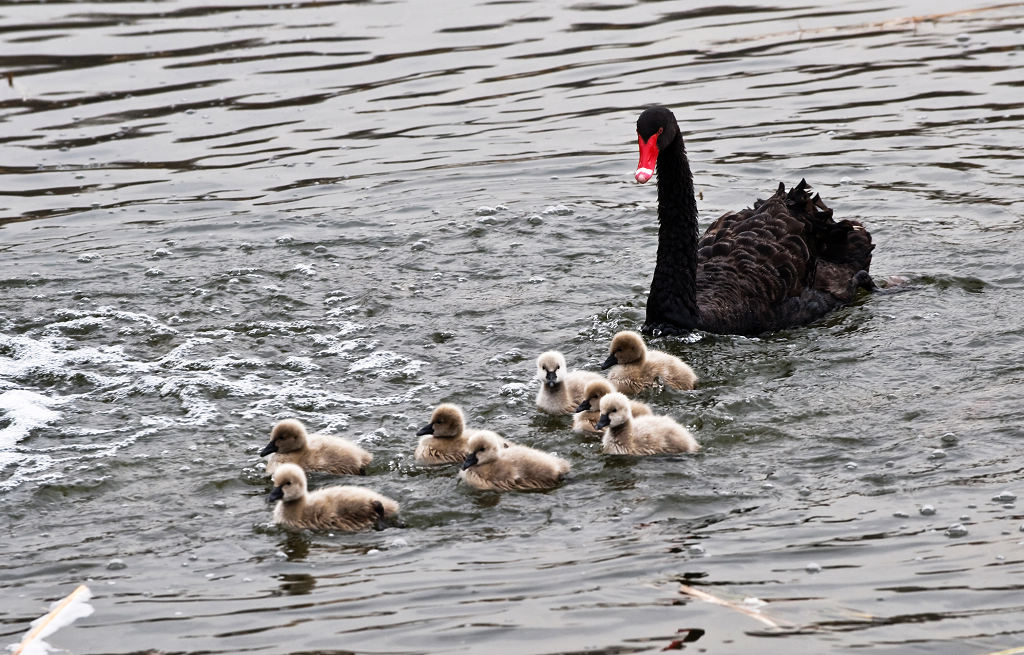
(782, 263)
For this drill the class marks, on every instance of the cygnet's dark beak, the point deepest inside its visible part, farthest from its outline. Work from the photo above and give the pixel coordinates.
(583, 406)
(603, 422)
(269, 448)
(276, 494)
(426, 429)
(552, 379)
(610, 362)
(470, 461)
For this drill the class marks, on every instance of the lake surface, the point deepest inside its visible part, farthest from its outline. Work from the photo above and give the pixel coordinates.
(213, 217)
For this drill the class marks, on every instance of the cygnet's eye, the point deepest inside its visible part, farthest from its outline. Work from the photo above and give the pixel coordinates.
(287, 483)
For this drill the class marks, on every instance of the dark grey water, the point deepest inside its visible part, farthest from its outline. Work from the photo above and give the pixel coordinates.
(213, 217)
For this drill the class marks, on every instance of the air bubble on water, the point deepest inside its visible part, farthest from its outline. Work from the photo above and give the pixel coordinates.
(804, 491)
(153, 272)
(697, 549)
(845, 180)
(889, 464)
(285, 238)
(484, 210)
(813, 567)
(926, 510)
(850, 466)
(901, 515)
(116, 565)
(948, 439)
(938, 453)
(161, 252)
(1004, 497)
(399, 542)
(963, 38)
(956, 530)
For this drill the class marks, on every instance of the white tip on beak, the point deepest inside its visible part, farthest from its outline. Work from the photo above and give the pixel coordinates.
(643, 174)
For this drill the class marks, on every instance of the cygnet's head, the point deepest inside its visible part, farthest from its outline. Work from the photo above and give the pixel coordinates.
(615, 411)
(484, 447)
(287, 436)
(446, 422)
(627, 347)
(551, 368)
(593, 393)
(289, 483)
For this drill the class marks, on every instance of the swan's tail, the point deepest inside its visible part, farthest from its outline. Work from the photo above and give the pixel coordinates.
(841, 250)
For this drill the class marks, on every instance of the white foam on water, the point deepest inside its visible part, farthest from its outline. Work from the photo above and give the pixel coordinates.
(23, 411)
(204, 374)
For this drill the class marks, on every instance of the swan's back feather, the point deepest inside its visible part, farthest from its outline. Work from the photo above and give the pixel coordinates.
(783, 262)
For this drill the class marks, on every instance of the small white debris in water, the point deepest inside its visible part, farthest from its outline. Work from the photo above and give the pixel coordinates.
(845, 180)
(963, 38)
(804, 491)
(751, 601)
(901, 515)
(399, 542)
(938, 453)
(535, 219)
(536, 279)
(486, 211)
(153, 272)
(486, 220)
(767, 485)
(813, 567)
(116, 565)
(501, 208)
(85, 258)
(956, 530)
(285, 238)
(926, 510)
(850, 466)
(697, 549)
(949, 439)
(220, 504)
(1000, 557)
(161, 252)
(1005, 497)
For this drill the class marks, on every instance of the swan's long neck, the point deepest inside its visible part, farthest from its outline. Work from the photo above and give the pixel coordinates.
(673, 297)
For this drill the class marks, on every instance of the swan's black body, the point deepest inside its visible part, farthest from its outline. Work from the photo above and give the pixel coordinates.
(782, 263)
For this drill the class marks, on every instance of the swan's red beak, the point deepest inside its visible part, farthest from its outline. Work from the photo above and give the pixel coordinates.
(648, 158)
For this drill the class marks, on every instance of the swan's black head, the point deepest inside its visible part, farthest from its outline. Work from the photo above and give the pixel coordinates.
(656, 129)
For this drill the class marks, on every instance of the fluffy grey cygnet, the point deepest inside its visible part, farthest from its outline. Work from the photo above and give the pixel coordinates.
(643, 435)
(560, 390)
(289, 443)
(330, 508)
(491, 464)
(633, 368)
